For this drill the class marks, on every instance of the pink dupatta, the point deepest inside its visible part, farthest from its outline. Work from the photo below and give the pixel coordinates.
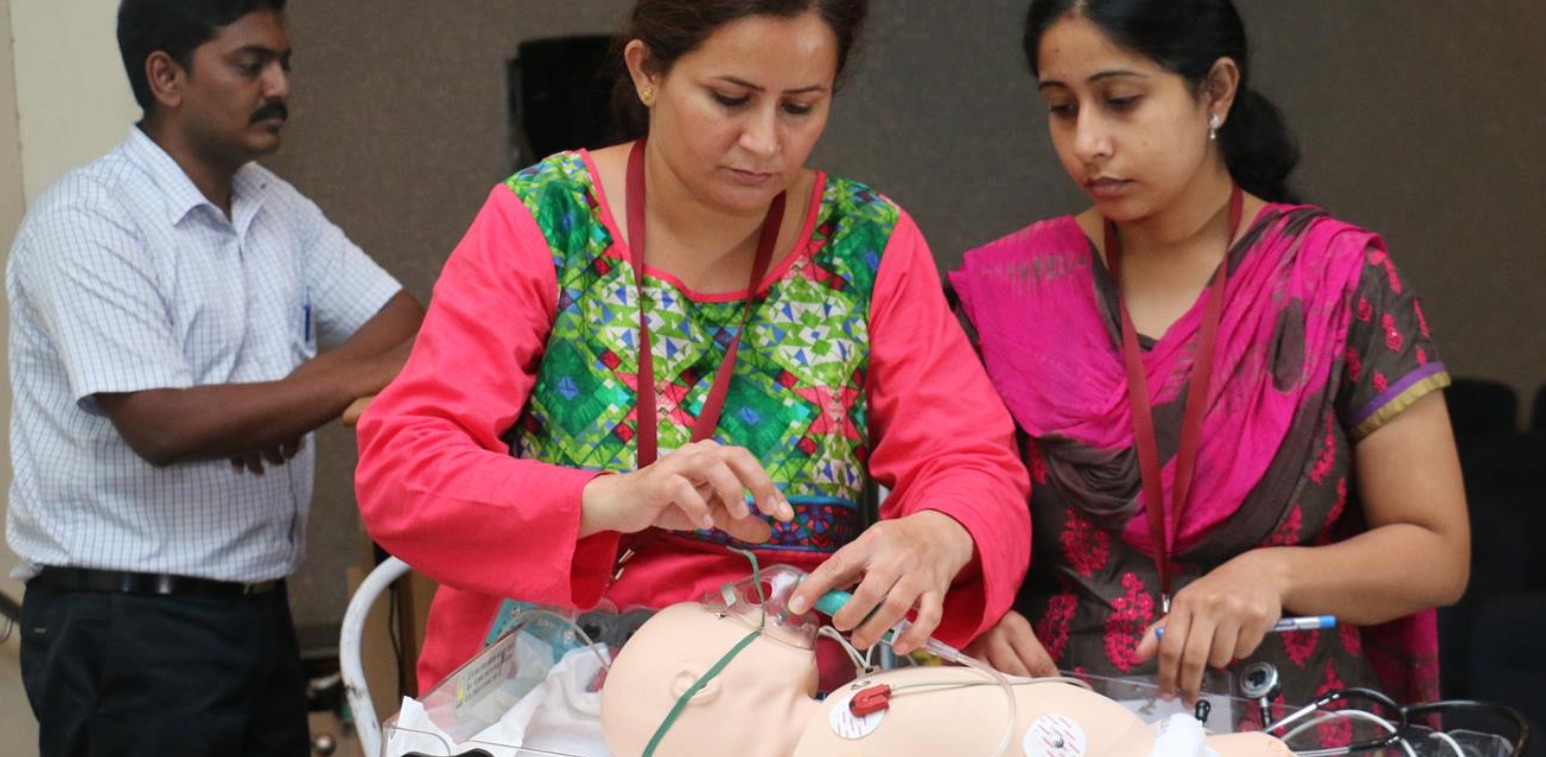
(1053, 350)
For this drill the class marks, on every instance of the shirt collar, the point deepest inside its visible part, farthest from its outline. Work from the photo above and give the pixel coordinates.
(182, 196)
(247, 191)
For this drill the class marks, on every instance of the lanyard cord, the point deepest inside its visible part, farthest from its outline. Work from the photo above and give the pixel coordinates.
(703, 680)
(708, 417)
(647, 420)
(1163, 522)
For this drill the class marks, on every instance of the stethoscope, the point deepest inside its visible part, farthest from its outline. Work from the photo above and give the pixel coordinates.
(1400, 723)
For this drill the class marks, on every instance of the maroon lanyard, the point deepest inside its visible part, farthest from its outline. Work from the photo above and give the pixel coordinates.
(708, 418)
(1162, 534)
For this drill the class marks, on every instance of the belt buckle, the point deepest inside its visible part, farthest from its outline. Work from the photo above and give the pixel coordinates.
(260, 587)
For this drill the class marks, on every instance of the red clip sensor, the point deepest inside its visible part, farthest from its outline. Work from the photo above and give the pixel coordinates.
(870, 700)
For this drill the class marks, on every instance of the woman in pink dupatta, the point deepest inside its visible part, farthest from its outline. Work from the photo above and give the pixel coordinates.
(1323, 477)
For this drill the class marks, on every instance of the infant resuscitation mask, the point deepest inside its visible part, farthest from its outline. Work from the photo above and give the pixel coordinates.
(761, 601)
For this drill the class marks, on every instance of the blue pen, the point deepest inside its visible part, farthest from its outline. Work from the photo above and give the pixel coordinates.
(306, 317)
(1300, 623)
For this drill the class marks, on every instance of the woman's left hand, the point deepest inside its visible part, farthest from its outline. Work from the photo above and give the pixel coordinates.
(899, 564)
(1213, 621)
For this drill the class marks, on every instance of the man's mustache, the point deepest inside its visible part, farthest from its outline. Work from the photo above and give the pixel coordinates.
(275, 109)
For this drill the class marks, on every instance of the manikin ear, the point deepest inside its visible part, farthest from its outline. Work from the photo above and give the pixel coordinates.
(685, 679)
(1221, 87)
(636, 56)
(167, 78)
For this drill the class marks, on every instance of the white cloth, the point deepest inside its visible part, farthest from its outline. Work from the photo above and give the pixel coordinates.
(560, 717)
(1180, 735)
(123, 278)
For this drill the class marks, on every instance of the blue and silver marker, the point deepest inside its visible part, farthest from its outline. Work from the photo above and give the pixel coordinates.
(1299, 623)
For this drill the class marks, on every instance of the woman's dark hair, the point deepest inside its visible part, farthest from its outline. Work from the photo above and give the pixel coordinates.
(673, 28)
(1188, 37)
(175, 27)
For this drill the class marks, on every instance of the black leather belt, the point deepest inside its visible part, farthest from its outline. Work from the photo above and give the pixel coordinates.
(127, 582)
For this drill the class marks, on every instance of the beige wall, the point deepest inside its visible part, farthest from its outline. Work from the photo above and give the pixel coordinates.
(12, 203)
(11, 207)
(64, 100)
(72, 94)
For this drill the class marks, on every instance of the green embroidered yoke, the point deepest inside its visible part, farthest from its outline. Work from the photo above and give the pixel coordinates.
(797, 399)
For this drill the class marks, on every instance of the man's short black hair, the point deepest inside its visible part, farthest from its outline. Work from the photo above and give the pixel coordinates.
(175, 27)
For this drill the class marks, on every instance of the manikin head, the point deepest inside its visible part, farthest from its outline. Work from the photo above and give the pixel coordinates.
(756, 706)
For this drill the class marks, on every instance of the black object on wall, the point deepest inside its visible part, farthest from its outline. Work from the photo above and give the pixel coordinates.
(560, 96)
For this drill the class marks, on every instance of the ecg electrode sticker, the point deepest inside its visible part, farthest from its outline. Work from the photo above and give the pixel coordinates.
(844, 722)
(1055, 736)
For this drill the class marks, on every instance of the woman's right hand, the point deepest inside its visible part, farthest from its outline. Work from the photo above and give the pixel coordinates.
(701, 485)
(1012, 648)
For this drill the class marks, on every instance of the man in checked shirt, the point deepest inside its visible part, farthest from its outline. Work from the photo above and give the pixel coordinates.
(170, 307)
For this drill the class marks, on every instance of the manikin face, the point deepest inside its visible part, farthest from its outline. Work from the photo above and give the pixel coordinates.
(736, 118)
(231, 102)
(1131, 133)
(755, 707)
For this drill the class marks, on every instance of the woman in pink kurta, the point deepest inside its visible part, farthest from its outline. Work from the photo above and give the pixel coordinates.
(484, 465)
(1230, 399)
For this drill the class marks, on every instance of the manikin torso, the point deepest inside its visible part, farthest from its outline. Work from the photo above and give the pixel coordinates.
(762, 704)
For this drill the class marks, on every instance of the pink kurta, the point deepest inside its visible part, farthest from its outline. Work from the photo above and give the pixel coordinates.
(439, 488)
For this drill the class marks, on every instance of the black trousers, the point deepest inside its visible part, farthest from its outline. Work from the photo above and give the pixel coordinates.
(126, 674)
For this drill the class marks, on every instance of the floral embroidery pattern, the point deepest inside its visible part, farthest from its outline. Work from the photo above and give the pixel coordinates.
(1326, 459)
(1379, 258)
(1352, 639)
(1085, 546)
(1052, 629)
(1130, 616)
(1287, 532)
(1333, 516)
(1393, 338)
(1300, 645)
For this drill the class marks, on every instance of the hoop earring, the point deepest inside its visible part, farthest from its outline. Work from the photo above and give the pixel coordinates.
(1214, 122)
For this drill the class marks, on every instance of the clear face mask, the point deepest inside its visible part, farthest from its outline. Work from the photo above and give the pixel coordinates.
(741, 600)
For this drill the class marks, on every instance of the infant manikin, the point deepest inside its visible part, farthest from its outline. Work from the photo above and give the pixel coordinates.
(762, 700)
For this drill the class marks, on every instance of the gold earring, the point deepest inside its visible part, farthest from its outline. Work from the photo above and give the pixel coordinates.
(648, 95)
